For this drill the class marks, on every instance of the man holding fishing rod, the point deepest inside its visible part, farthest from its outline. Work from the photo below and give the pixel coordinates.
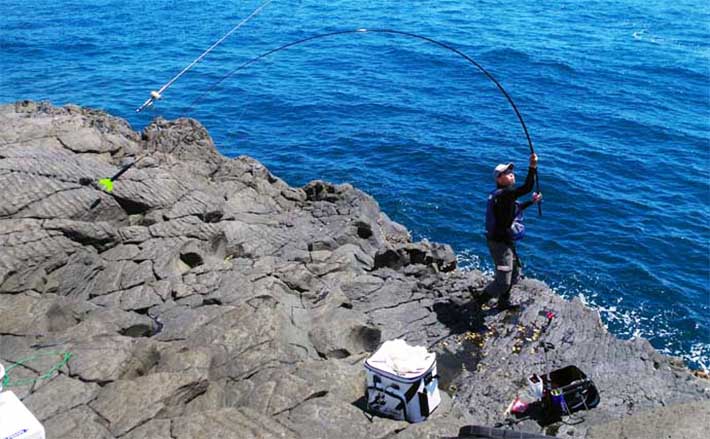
(504, 226)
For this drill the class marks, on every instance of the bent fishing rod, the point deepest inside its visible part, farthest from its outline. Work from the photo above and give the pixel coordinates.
(392, 32)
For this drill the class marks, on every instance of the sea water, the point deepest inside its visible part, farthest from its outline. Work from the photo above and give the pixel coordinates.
(615, 94)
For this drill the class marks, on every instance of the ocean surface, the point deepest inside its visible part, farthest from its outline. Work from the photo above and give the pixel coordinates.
(615, 94)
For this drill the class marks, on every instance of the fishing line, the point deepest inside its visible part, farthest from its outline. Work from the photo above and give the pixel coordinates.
(393, 32)
(64, 359)
(155, 95)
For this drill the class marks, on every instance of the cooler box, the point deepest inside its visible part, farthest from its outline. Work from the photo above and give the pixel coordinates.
(402, 382)
(16, 422)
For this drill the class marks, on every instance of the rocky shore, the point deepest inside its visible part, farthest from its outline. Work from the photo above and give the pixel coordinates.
(205, 297)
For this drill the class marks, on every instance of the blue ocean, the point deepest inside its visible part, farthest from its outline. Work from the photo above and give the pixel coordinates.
(615, 95)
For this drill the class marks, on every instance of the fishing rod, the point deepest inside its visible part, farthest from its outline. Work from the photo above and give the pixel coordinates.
(106, 184)
(392, 32)
(158, 94)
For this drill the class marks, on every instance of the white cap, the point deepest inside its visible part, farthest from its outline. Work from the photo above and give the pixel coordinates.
(500, 169)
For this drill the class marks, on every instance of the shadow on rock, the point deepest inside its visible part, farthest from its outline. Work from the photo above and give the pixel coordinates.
(460, 317)
(462, 352)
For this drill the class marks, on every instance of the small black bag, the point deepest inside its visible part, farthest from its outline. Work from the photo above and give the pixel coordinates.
(572, 390)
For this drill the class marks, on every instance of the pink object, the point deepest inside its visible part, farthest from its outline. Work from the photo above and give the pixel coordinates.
(518, 407)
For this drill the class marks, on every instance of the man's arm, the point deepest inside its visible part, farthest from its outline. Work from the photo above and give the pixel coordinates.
(529, 179)
(536, 198)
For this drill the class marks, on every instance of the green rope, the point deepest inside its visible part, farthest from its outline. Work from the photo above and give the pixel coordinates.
(66, 356)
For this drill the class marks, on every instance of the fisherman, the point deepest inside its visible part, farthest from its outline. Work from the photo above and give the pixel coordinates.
(504, 226)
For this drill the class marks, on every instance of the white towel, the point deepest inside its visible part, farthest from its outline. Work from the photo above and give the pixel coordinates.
(401, 359)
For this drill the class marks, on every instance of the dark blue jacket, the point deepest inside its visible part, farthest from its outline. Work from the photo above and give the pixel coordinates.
(501, 209)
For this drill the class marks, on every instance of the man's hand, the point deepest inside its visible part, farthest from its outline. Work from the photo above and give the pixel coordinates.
(536, 197)
(533, 160)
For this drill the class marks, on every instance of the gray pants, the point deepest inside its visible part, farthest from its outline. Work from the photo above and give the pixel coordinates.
(507, 270)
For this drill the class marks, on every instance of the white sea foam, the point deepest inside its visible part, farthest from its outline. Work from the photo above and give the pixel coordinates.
(637, 322)
(467, 260)
(644, 36)
(641, 35)
(700, 355)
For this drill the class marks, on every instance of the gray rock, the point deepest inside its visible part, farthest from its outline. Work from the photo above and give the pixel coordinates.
(100, 235)
(61, 395)
(79, 422)
(338, 331)
(439, 256)
(133, 234)
(187, 141)
(127, 404)
(27, 314)
(154, 429)
(327, 416)
(104, 321)
(136, 274)
(686, 421)
(139, 298)
(229, 422)
(180, 323)
(108, 280)
(101, 359)
(121, 253)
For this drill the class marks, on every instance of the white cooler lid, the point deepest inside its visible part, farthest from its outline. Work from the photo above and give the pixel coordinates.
(399, 358)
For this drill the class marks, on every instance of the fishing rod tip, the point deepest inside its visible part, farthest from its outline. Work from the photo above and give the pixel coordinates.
(154, 96)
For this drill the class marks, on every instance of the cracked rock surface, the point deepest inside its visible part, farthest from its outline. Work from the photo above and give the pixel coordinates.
(205, 297)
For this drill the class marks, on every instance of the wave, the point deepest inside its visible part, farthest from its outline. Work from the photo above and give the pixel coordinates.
(641, 35)
(505, 53)
(621, 126)
(511, 55)
(18, 44)
(644, 36)
(640, 320)
(700, 354)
